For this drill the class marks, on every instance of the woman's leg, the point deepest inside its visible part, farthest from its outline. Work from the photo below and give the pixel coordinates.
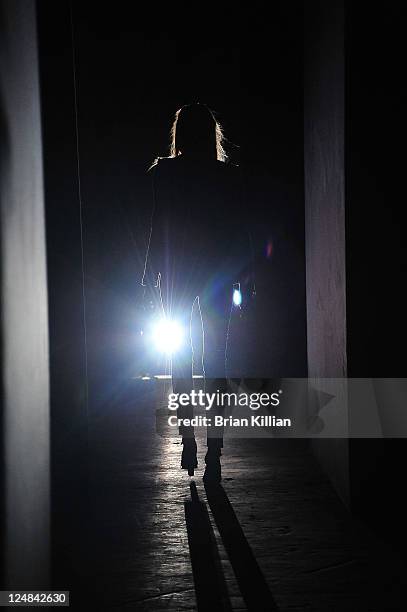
(182, 382)
(216, 315)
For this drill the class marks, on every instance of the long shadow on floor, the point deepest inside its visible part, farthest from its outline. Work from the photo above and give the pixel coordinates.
(253, 586)
(210, 586)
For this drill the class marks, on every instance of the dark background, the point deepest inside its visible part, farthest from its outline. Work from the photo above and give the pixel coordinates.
(134, 69)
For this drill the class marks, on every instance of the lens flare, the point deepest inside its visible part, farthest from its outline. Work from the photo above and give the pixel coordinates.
(168, 336)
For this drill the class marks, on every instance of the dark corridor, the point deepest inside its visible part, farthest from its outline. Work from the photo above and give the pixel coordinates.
(93, 498)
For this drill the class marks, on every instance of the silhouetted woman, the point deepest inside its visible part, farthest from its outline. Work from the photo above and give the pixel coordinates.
(198, 251)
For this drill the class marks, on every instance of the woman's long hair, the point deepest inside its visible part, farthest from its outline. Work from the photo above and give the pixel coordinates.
(196, 131)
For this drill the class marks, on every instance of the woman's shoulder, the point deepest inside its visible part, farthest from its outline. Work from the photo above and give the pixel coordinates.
(159, 161)
(163, 166)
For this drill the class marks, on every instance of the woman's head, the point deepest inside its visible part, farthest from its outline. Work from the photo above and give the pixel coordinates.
(196, 133)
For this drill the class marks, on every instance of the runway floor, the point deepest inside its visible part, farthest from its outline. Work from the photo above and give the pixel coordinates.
(274, 536)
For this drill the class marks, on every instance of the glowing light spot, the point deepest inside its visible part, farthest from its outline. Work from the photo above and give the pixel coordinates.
(237, 297)
(168, 336)
(269, 249)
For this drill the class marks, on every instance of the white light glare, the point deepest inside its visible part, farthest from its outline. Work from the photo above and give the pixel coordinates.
(237, 297)
(167, 336)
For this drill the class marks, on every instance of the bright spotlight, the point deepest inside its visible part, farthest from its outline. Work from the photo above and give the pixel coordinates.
(237, 296)
(167, 336)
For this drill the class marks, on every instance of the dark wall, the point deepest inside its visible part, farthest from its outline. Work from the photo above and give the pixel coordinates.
(324, 162)
(376, 216)
(25, 491)
(354, 182)
(65, 289)
(376, 249)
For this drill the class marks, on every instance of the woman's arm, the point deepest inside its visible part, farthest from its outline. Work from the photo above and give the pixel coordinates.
(151, 261)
